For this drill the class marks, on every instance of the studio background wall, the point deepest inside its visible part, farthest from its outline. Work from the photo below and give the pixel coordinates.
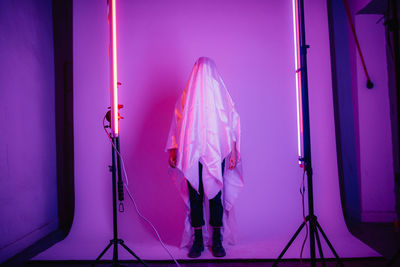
(158, 43)
(366, 121)
(28, 191)
(377, 176)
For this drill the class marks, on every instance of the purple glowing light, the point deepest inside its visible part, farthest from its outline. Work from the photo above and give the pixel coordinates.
(296, 39)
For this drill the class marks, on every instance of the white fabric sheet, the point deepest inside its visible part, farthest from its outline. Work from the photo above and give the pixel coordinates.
(204, 128)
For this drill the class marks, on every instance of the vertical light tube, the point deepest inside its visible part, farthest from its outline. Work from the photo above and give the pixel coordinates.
(296, 39)
(113, 68)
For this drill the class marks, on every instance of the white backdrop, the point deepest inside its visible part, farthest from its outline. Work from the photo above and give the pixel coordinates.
(158, 43)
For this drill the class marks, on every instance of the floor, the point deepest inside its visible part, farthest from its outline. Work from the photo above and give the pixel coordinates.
(383, 237)
(347, 263)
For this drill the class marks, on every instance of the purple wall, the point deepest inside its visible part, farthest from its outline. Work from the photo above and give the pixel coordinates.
(28, 191)
(376, 158)
(158, 43)
(372, 120)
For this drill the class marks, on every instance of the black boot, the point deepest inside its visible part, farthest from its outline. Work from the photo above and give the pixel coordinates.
(198, 245)
(217, 248)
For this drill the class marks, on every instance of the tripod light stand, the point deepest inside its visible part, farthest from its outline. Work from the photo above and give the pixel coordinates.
(113, 116)
(303, 121)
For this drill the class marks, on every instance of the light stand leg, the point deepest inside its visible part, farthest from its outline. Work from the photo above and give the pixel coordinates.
(329, 244)
(314, 226)
(306, 159)
(115, 241)
(101, 254)
(321, 253)
(289, 243)
(132, 253)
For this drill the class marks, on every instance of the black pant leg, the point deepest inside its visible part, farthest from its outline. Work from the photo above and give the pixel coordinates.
(216, 208)
(216, 211)
(196, 201)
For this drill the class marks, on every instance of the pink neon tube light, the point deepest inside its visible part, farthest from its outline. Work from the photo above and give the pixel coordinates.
(296, 38)
(113, 68)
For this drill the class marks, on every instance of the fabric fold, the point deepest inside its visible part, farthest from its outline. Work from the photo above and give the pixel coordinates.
(204, 128)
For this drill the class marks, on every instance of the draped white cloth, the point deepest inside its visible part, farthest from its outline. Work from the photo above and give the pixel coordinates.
(204, 128)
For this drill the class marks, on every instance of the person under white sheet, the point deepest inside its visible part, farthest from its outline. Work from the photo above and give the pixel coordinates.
(204, 154)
